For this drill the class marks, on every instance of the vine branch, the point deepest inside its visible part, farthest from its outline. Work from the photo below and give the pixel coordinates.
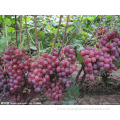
(20, 29)
(64, 35)
(82, 80)
(57, 33)
(36, 41)
(27, 34)
(16, 29)
(5, 27)
(79, 72)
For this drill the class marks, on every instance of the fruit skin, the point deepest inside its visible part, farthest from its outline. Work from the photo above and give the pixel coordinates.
(92, 78)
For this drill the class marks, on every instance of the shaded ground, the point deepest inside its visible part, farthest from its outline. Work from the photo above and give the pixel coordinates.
(96, 93)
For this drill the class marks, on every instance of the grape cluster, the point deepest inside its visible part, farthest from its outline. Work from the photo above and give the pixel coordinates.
(13, 73)
(22, 77)
(100, 32)
(102, 59)
(50, 69)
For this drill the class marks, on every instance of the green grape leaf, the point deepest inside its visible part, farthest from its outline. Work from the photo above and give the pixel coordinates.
(79, 24)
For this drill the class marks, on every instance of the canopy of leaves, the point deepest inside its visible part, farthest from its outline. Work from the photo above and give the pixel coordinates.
(47, 26)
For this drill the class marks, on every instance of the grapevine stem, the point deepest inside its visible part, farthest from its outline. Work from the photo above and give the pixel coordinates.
(27, 35)
(20, 29)
(64, 35)
(36, 41)
(5, 27)
(79, 72)
(57, 33)
(82, 80)
(16, 29)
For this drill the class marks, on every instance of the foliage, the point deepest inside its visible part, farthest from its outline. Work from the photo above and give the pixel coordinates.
(47, 26)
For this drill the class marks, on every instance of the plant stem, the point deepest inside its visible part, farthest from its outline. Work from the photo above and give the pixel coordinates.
(82, 80)
(16, 29)
(57, 33)
(105, 78)
(76, 80)
(64, 35)
(27, 35)
(5, 27)
(20, 29)
(36, 41)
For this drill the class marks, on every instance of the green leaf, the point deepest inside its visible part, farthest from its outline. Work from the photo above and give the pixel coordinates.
(1, 50)
(63, 23)
(56, 45)
(52, 29)
(117, 63)
(4, 40)
(91, 17)
(76, 43)
(28, 18)
(69, 29)
(73, 80)
(69, 102)
(83, 32)
(10, 29)
(46, 50)
(40, 33)
(73, 91)
(79, 58)
(79, 24)
(79, 48)
(33, 47)
(118, 31)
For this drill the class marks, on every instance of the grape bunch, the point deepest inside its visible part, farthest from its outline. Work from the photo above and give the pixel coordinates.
(22, 77)
(103, 58)
(13, 73)
(50, 69)
(100, 32)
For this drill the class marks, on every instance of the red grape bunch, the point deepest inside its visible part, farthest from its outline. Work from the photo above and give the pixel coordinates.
(22, 77)
(50, 69)
(13, 73)
(100, 32)
(103, 58)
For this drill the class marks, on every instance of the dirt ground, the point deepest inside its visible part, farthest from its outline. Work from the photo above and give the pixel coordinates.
(96, 93)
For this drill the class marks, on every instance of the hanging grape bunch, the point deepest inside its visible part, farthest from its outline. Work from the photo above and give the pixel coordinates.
(50, 74)
(103, 58)
(13, 73)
